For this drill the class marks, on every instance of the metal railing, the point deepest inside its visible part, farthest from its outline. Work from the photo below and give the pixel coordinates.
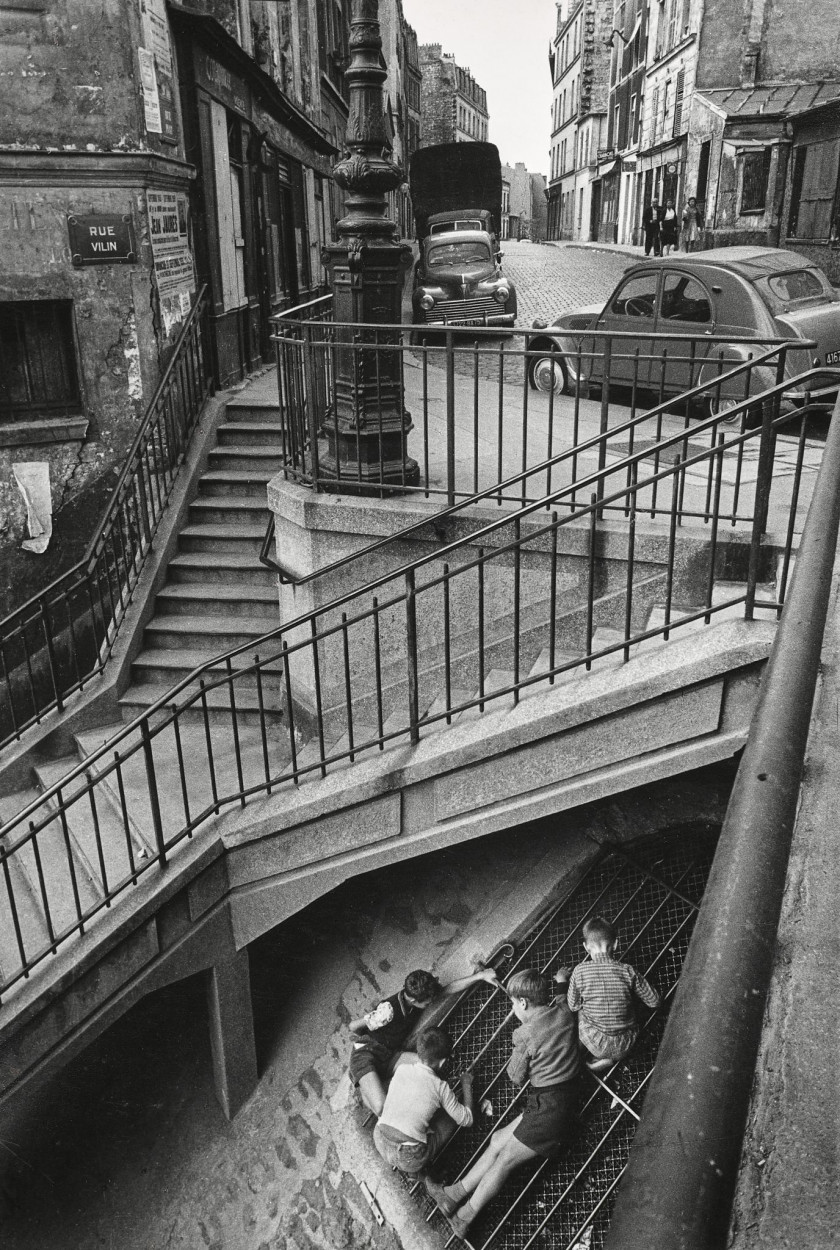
(55, 642)
(476, 414)
(409, 651)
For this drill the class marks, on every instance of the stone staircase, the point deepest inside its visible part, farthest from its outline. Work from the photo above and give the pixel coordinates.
(217, 594)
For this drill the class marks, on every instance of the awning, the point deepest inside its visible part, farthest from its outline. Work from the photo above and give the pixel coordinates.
(604, 170)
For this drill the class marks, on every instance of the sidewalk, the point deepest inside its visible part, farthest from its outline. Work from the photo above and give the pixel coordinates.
(623, 249)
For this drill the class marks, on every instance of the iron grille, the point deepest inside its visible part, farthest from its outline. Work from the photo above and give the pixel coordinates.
(466, 309)
(652, 894)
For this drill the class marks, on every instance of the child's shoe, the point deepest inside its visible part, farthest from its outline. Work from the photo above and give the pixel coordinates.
(439, 1195)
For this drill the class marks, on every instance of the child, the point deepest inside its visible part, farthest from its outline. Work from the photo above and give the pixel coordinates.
(601, 991)
(421, 1111)
(545, 1053)
(380, 1034)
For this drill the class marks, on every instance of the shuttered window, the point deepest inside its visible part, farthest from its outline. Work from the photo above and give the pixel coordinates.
(38, 375)
(678, 103)
(756, 171)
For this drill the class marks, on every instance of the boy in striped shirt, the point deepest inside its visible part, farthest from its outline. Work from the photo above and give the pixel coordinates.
(603, 992)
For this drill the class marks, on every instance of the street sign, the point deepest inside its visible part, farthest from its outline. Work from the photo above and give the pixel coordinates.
(101, 239)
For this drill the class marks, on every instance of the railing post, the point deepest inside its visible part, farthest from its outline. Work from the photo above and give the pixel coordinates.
(411, 655)
(450, 418)
(312, 406)
(154, 797)
(605, 421)
(48, 639)
(763, 486)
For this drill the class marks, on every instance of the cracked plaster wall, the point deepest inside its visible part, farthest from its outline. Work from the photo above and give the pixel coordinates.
(118, 344)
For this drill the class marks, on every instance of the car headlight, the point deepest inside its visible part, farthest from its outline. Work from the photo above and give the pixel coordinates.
(502, 294)
(427, 301)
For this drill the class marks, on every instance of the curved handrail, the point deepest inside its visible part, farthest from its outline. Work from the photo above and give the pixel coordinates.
(298, 624)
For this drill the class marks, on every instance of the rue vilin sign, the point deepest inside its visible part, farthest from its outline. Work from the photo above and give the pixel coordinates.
(101, 239)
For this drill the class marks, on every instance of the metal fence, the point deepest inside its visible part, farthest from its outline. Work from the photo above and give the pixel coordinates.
(479, 620)
(56, 641)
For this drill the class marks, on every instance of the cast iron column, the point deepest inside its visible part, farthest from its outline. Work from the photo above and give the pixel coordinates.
(367, 425)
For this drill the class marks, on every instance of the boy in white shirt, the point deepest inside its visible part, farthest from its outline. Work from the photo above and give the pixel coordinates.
(421, 1112)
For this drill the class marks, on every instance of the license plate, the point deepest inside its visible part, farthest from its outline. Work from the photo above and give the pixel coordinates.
(476, 321)
(832, 358)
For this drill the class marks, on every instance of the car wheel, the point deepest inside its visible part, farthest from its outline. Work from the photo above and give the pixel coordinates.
(547, 372)
(725, 409)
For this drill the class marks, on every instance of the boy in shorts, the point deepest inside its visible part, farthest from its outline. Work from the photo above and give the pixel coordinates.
(379, 1035)
(545, 1053)
(421, 1112)
(602, 991)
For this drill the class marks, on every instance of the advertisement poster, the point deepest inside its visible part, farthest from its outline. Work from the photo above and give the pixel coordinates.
(174, 274)
(158, 52)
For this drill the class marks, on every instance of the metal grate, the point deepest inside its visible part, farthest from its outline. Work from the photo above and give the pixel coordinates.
(651, 893)
(462, 309)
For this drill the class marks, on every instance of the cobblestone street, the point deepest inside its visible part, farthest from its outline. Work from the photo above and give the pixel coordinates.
(552, 278)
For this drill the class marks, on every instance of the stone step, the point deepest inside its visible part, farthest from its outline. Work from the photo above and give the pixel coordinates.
(251, 484)
(209, 634)
(185, 794)
(254, 603)
(496, 679)
(222, 570)
(229, 510)
(252, 410)
(247, 433)
(26, 890)
(246, 459)
(165, 666)
(97, 830)
(603, 637)
(228, 539)
(543, 664)
(141, 694)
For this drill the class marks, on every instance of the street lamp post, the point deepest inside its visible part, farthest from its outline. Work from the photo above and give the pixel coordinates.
(366, 426)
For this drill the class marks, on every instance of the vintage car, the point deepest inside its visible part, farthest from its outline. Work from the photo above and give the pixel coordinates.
(743, 291)
(458, 279)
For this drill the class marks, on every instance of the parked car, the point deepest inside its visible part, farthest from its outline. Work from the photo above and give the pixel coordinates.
(760, 292)
(458, 280)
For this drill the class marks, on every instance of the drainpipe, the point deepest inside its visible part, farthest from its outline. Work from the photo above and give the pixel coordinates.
(678, 1188)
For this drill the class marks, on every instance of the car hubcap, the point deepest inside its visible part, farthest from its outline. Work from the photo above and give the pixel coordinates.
(548, 375)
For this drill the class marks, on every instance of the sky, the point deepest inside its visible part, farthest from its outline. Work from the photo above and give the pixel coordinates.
(504, 44)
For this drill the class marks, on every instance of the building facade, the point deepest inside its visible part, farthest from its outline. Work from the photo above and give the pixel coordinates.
(453, 105)
(579, 64)
(148, 149)
(524, 204)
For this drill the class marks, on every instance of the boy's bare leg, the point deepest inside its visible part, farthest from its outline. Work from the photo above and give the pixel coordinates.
(486, 1161)
(373, 1092)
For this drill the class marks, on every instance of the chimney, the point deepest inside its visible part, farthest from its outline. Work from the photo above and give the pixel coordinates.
(749, 63)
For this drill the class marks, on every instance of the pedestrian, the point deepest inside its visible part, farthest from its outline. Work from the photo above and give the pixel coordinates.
(670, 228)
(421, 1112)
(602, 992)
(651, 220)
(545, 1055)
(692, 223)
(379, 1034)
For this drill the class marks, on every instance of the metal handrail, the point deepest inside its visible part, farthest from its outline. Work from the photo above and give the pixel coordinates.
(163, 434)
(329, 627)
(568, 453)
(683, 1168)
(442, 554)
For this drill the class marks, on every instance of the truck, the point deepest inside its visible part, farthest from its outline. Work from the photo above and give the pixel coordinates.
(456, 193)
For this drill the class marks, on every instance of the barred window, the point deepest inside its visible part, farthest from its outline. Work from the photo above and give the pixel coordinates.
(38, 375)
(756, 172)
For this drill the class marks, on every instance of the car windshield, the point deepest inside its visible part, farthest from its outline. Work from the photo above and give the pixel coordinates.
(456, 255)
(798, 284)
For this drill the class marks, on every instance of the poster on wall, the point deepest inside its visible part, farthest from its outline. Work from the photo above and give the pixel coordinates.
(173, 262)
(156, 68)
